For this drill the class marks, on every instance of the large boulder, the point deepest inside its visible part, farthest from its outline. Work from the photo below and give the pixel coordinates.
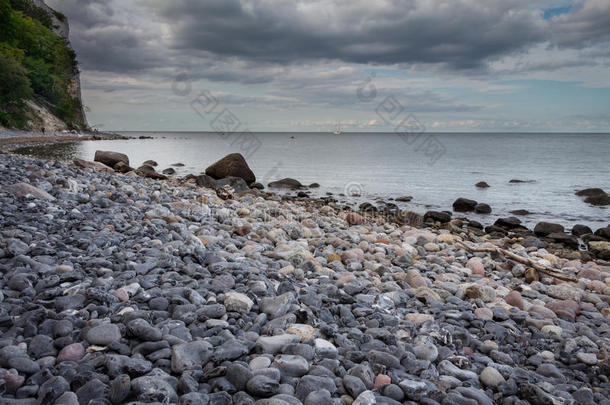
(438, 216)
(598, 199)
(286, 183)
(509, 223)
(580, 230)
(594, 196)
(464, 205)
(546, 228)
(482, 208)
(233, 165)
(149, 172)
(603, 232)
(561, 237)
(588, 192)
(84, 164)
(110, 158)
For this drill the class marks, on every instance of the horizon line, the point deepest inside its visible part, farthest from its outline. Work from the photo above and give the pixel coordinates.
(364, 132)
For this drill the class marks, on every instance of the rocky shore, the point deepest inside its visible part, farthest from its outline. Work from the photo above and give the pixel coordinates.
(11, 139)
(143, 288)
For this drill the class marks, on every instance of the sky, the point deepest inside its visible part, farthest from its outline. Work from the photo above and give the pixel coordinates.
(370, 65)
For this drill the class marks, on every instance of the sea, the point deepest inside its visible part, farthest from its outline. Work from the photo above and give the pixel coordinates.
(434, 169)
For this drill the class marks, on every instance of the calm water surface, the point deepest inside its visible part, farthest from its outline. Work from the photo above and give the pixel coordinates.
(384, 165)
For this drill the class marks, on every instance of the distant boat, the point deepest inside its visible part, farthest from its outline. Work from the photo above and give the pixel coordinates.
(338, 130)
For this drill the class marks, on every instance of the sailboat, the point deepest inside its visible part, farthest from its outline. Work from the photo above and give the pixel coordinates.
(338, 130)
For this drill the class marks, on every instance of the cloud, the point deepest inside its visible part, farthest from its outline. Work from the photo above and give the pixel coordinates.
(587, 24)
(461, 35)
(270, 58)
(109, 37)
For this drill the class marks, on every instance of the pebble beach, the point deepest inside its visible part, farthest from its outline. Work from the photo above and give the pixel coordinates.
(142, 288)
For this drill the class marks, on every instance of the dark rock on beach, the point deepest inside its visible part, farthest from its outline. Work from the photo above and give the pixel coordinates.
(546, 228)
(205, 181)
(588, 192)
(464, 205)
(603, 233)
(233, 165)
(594, 196)
(520, 212)
(482, 208)
(510, 223)
(110, 158)
(482, 184)
(598, 199)
(440, 216)
(580, 230)
(150, 172)
(285, 183)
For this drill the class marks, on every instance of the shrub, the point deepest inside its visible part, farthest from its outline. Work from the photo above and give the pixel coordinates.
(14, 82)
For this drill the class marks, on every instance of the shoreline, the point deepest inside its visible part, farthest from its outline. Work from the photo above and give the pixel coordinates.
(375, 205)
(14, 139)
(163, 291)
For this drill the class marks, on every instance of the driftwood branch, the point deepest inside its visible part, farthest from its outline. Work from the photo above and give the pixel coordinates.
(523, 260)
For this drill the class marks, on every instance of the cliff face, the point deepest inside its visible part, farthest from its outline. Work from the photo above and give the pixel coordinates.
(39, 77)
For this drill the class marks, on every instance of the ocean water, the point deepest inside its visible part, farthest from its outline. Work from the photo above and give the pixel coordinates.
(434, 169)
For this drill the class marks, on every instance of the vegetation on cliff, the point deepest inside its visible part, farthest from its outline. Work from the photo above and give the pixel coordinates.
(36, 64)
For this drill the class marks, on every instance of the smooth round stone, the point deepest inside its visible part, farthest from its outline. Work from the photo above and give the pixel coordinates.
(549, 370)
(238, 302)
(305, 332)
(62, 328)
(24, 365)
(13, 382)
(320, 397)
(158, 304)
(381, 380)
(546, 355)
(419, 318)
(72, 352)
(484, 314)
(119, 389)
(325, 349)
(514, 298)
(427, 352)
(353, 385)
(104, 334)
(291, 365)
(431, 247)
(476, 265)
(238, 375)
(491, 377)
(262, 386)
(70, 398)
(587, 358)
(260, 362)
(552, 330)
(142, 330)
(393, 391)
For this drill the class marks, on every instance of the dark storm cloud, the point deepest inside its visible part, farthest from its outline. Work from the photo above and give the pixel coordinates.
(461, 34)
(123, 36)
(106, 40)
